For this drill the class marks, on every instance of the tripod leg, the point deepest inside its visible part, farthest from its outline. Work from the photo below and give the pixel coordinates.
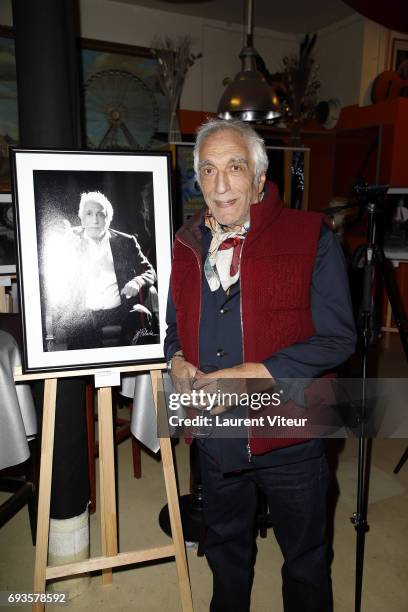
(374, 255)
(359, 518)
(387, 274)
(359, 570)
(401, 462)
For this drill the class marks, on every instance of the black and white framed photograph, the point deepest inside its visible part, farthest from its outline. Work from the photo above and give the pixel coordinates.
(94, 242)
(7, 245)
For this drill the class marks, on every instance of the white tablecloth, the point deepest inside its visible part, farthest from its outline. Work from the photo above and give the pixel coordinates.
(18, 421)
(144, 422)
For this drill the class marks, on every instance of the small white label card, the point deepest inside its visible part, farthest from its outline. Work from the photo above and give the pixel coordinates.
(107, 378)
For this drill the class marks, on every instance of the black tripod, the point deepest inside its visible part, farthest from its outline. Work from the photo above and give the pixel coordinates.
(401, 462)
(374, 260)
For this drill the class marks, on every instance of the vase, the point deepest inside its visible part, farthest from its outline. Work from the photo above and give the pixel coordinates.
(174, 125)
(294, 139)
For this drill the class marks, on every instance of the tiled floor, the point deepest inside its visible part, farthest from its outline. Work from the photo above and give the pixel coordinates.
(154, 587)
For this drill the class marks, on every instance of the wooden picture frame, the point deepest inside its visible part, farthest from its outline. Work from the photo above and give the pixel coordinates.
(75, 276)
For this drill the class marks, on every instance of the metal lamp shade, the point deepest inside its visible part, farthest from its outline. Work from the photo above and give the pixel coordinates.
(249, 97)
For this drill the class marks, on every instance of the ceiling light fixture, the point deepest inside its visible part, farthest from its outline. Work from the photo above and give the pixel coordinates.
(249, 97)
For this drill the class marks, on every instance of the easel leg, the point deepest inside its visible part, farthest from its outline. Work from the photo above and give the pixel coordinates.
(109, 535)
(173, 504)
(44, 497)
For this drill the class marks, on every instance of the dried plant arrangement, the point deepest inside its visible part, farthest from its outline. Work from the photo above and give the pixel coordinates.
(300, 79)
(175, 58)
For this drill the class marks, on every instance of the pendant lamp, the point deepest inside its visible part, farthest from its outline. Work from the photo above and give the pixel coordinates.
(249, 97)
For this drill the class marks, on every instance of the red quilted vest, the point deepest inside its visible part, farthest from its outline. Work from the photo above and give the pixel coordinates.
(277, 263)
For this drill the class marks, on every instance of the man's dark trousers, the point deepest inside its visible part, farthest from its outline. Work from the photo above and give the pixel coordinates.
(296, 495)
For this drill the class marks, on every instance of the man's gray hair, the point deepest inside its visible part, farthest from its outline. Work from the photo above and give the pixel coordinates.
(254, 142)
(98, 198)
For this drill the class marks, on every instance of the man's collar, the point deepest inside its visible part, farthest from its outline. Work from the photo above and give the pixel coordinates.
(100, 242)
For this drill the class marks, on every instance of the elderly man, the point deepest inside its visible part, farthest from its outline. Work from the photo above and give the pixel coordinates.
(103, 273)
(253, 296)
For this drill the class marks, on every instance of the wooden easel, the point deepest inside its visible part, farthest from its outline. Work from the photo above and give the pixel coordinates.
(110, 556)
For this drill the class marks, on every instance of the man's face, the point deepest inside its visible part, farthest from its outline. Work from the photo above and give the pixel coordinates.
(94, 220)
(227, 178)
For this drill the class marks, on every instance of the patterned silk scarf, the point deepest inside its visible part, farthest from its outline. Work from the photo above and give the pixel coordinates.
(222, 263)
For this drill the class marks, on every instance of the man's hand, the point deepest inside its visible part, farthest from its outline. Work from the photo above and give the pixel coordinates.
(244, 370)
(232, 380)
(182, 374)
(143, 310)
(131, 289)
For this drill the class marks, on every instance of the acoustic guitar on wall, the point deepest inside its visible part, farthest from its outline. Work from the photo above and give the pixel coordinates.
(389, 85)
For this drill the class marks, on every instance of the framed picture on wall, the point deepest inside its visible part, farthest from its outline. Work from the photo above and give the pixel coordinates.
(289, 169)
(399, 56)
(188, 197)
(94, 241)
(7, 246)
(123, 107)
(8, 104)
